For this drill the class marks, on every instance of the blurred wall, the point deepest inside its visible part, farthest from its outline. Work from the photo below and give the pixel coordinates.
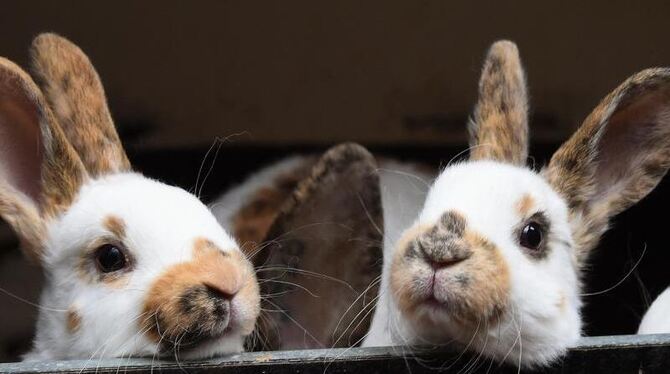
(182, 73)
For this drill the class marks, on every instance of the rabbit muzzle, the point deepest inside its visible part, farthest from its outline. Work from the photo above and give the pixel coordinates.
(203, 300)
(447, 274)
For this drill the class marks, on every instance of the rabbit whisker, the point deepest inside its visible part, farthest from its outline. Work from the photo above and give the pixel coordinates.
(617, 284)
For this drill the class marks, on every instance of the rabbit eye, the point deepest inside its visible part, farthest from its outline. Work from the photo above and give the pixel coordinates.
(531, 236)
(110, 258)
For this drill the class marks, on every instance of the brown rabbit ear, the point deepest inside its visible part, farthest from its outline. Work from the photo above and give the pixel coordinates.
(323, 261)
(74, 92)
(618, 155)
(40, 173)
(499, 127)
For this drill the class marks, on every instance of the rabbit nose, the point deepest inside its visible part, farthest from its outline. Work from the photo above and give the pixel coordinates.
(440, 264)
(222, 281)
(219, 293)
(444, 253)
(220, 300)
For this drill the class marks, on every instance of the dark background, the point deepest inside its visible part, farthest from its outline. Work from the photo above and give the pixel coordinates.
(297, 76)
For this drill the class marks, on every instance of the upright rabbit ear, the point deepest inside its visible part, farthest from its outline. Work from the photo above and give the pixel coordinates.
(40, 173)
(74, 92)
(499, 127)
(323, 261)
(618, 155)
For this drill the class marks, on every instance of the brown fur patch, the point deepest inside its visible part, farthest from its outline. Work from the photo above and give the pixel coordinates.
(252, 222)
(499, 129)
(116, 226)
(491, 279)
(330, 225)
(525, 205)
(229, 274)
(26, 222)
(617, 156)
(205, 247)
(73, 320)
(74, 91)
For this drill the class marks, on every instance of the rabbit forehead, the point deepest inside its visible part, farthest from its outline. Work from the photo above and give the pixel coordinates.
(157, 220)
(491, 192)
(496, 200)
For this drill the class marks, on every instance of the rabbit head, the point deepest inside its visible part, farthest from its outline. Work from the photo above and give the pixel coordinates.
(133, 267)
(494, 259)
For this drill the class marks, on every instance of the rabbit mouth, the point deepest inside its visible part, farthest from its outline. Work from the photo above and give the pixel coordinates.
(205, 320)
(190, 343)
(433, 304)
(448, 297)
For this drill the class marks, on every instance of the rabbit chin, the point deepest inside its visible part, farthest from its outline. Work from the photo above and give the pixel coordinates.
(222, 346)
(532, 343)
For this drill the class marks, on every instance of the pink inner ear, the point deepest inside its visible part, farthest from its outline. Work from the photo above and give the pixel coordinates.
(20, 145)
(634, 133)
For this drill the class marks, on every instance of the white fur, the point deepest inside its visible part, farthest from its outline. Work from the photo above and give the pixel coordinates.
(403, 189)
(657, 318)
(536, 330)
(161, 223)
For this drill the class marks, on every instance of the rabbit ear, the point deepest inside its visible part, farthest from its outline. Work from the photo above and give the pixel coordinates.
(40, 173)
(74, 92)
(499, 127)
(325, 246)
(618, 155)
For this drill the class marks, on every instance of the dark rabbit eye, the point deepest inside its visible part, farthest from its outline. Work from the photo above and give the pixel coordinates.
(110, 258)
(531, 236)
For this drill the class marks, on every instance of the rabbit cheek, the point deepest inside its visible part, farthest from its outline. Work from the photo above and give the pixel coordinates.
(410, 276)
(246, 305)
(480, 289)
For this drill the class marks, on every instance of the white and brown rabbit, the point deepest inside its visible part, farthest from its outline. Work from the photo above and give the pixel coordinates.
(492, 261)
(133, 267)
(657, 318)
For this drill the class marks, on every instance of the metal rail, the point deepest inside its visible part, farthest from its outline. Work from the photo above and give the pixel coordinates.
(605, 354)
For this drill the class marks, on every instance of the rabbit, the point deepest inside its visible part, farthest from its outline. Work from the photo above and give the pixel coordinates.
(657, 318)
(133, 267)
(315, 227)
(493, 260)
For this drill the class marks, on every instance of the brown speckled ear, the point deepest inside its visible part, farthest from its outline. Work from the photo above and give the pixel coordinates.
(319, 273)
(40, 172)
(499, 127)
(618, 155)
(74, 92)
